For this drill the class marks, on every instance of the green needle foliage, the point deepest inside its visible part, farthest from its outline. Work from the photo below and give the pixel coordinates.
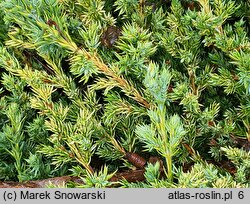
(84, 83)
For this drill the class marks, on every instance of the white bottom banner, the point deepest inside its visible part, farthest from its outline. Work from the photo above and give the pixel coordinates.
(122, 195)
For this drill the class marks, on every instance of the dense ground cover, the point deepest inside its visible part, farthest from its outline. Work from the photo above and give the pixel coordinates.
(131, 93)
